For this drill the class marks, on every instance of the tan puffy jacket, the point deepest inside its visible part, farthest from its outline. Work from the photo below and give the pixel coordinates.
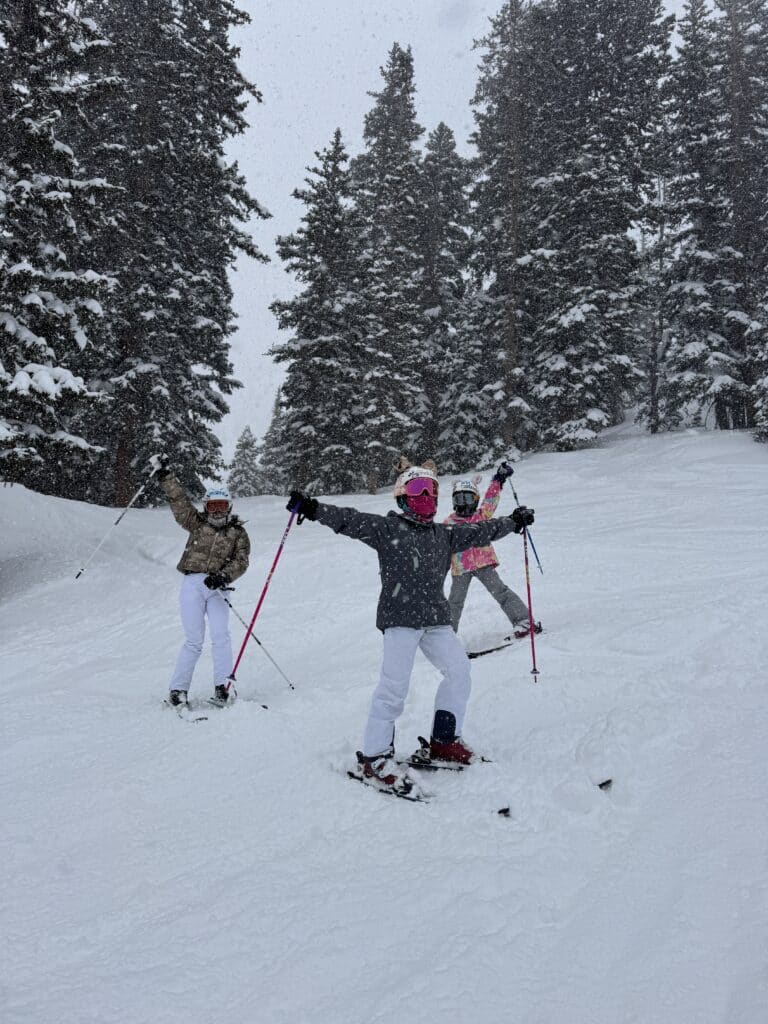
(209, 549)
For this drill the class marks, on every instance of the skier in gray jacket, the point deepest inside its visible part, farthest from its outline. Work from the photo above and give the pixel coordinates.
(414, 558)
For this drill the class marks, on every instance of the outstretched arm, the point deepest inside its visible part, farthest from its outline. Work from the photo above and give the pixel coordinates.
(364, 526)
(184, 512)
(479, 535)
(474, 535)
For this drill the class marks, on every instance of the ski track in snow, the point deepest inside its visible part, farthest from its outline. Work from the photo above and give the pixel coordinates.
(227, 873)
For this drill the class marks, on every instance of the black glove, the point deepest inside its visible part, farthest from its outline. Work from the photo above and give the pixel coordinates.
(216, 581)
(504, 472)
(522, 517)
(307, 507)
(159, 464)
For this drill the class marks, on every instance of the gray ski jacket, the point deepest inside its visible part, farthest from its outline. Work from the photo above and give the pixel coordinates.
(414, 559)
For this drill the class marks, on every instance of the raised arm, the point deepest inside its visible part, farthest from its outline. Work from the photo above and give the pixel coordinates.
(491, 499)
(493, 494)
(184, 512)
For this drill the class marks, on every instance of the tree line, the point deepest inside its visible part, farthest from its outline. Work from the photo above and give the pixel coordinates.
(604, 249)
(119, 220)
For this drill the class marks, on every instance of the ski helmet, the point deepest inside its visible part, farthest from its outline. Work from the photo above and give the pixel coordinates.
(466, 498)
(416, 492)
(217, 504)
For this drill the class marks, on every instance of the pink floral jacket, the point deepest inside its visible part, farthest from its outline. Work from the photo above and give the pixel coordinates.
(477, 558)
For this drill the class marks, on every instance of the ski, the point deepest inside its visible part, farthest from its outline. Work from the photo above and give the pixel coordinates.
(423, 761)
(213, 702)
(508, 641)
(413, 795)
(185, 712)
(433, 766)
(491, 650)
(436, 766)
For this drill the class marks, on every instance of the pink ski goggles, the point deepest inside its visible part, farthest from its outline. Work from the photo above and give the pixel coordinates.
(420, 485)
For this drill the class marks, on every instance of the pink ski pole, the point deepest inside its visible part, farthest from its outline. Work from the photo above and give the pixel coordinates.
(248, 631)
(534, 670)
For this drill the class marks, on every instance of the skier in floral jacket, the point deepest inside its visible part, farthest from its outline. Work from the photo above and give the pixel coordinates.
(481, 562)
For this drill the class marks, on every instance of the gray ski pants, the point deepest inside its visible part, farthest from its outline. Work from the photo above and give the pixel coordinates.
(511, 605)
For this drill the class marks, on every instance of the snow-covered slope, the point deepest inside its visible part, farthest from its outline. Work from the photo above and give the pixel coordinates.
(228, 872)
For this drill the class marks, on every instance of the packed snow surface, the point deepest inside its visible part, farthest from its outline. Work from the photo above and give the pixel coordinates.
(227, 872)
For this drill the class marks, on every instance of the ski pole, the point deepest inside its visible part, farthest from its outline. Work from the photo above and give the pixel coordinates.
(136, 496)
(249, 630)
(254, 637)
(530, 538)
(534, 670)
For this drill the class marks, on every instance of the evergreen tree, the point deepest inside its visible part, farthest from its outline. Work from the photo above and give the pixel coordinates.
(49, 206)
(718, 198)
(696, 285)
(387, 187)
(598, 174)
(758, 338)
(654, 331)
(508, 105)
(473, 413)
(245, 478)
(742, 50)
(274, 453)
(173, 235)
(445, 247)
(323, 409)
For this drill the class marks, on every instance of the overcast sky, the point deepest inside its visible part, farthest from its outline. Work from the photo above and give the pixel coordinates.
(315, 61)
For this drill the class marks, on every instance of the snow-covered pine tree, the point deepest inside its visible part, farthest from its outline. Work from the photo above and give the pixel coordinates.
(596, 177)
(472, 421)
(508, 104)
(323, 412)
(273, 453)
(49, 205)
(175, 231)
(741, 47)
(245, 478)
(657, 254)
(718, 198)
(387, 186)
(444, 239)
(758, 340)
(653, 329)
(695, 287)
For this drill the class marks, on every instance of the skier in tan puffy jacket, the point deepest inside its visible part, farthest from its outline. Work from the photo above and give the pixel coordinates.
(216, 554)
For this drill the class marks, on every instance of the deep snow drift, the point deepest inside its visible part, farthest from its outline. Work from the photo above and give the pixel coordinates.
(228, 872)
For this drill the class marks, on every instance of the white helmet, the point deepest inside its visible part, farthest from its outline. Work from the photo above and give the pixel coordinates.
(466, 497)
(416, 491)
(415, 473)
(466, 485)
(219, 501)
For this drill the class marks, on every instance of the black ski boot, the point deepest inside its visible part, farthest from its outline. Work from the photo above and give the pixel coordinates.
(178, 698)
(221, 694)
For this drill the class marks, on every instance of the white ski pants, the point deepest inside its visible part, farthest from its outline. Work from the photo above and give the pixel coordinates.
(443, 648)
(196, 601)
